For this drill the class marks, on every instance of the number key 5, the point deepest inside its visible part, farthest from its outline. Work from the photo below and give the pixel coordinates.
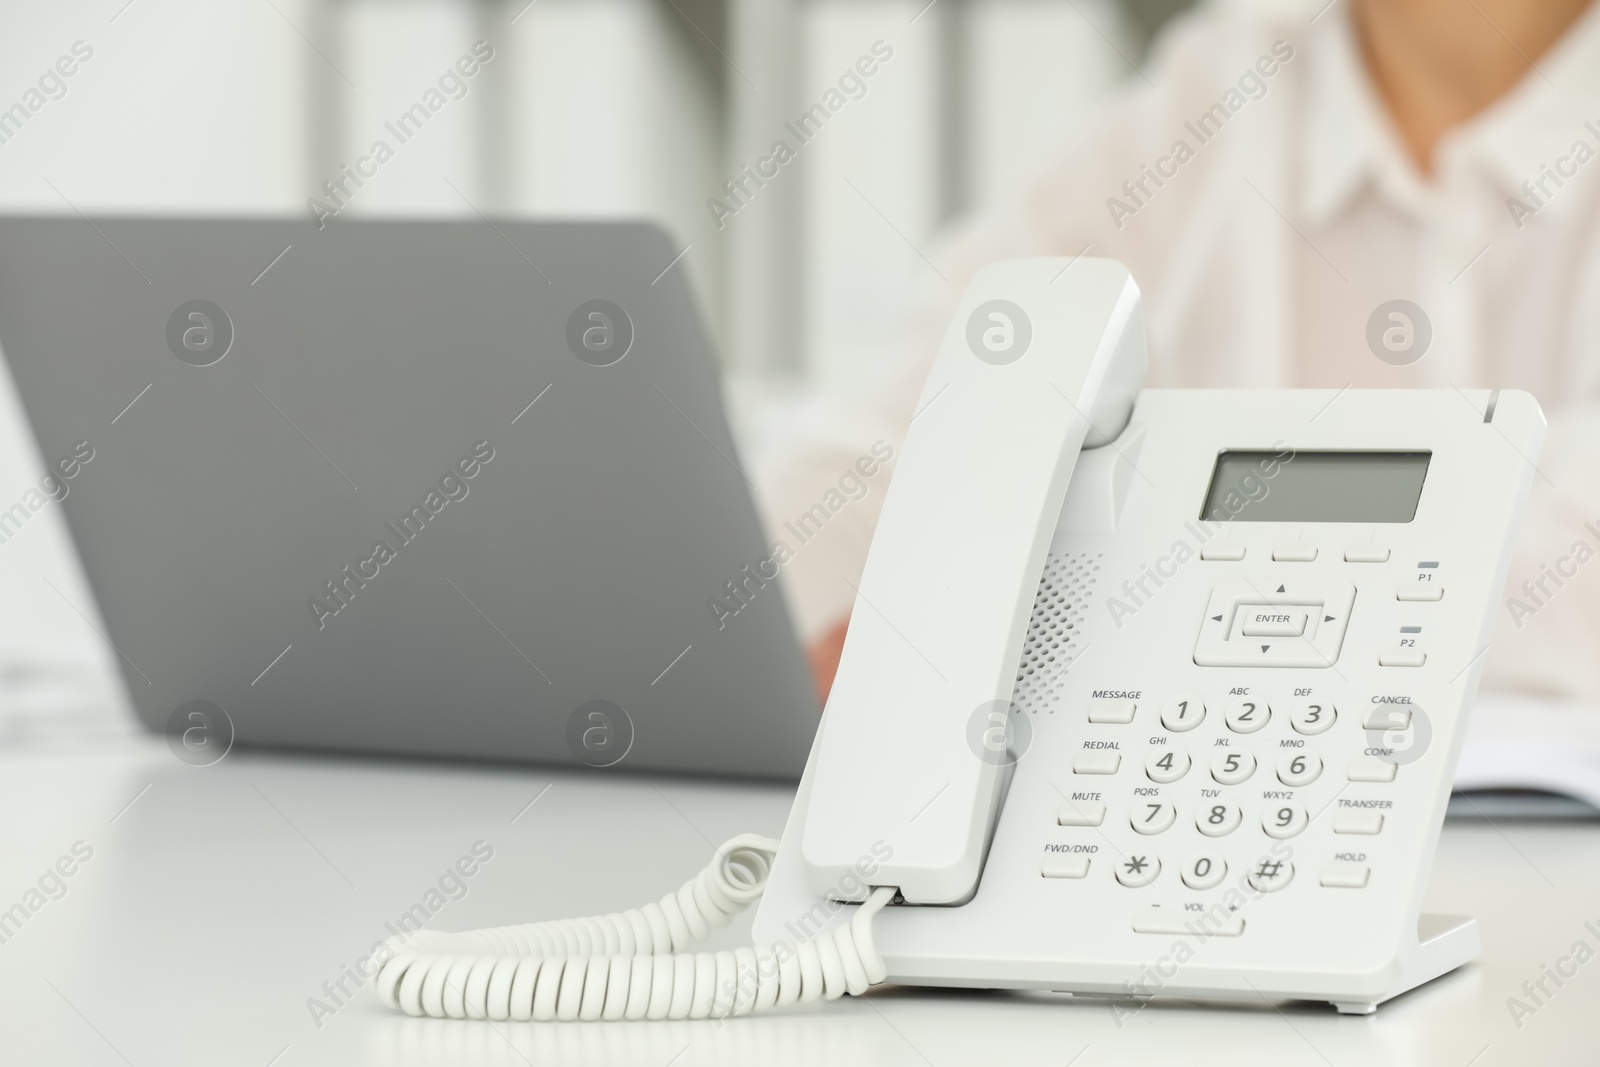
(1231, 768)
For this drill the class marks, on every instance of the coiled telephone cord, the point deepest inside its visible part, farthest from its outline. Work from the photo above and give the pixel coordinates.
(632, 964)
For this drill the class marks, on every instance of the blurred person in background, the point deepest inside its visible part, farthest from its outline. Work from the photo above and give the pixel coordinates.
(1274, 181)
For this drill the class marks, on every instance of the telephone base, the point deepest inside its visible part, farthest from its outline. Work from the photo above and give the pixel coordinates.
(1444, 942)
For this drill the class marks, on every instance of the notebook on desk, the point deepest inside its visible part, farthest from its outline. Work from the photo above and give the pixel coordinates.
(1529, 756)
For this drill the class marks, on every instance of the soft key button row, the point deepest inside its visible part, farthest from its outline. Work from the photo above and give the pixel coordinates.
(1233, 552)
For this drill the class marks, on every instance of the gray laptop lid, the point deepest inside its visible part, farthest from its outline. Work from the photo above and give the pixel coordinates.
(432, 487)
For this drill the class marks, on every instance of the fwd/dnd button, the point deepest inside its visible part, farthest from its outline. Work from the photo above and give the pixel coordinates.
(1274, 622)
(1064, 865)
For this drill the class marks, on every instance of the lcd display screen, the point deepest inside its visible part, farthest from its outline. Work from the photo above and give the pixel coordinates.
(1291, 486)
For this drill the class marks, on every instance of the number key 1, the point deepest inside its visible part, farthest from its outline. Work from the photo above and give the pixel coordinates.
(1183, 712)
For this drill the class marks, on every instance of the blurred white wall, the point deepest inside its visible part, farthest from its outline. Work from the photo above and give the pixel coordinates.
(1007, 81)
(612, 114)
(589, 107)
(182, 105)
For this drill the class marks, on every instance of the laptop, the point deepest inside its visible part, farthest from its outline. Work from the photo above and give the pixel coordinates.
(438, 488)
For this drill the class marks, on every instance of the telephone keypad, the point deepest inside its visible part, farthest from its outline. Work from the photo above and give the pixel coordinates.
(1295, 765)
(1248, 736)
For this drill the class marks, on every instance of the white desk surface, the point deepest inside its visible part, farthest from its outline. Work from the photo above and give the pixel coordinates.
(219, 899)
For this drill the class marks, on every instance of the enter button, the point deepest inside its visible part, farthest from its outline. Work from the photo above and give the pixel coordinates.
(1274, 622)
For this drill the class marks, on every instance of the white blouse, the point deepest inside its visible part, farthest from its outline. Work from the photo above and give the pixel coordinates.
(1265, 206)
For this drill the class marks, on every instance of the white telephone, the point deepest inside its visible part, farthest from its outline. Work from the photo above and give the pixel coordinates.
(1144, 693)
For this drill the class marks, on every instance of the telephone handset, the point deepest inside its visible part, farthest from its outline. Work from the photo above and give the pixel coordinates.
(942, 609)
(1143, 693)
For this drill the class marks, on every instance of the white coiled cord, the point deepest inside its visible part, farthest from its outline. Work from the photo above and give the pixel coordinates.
(631, 965)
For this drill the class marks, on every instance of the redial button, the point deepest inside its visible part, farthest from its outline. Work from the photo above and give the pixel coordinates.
(1273, 622)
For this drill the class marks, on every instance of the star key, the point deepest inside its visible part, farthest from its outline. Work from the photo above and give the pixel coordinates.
(1138, 869)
